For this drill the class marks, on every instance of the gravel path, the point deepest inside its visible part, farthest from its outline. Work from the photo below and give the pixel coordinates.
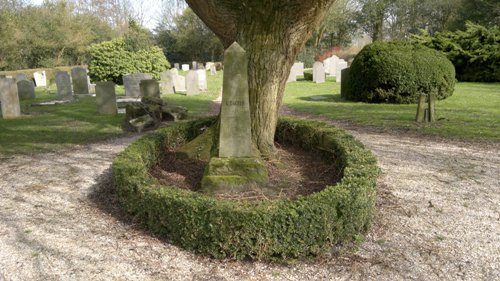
(438, 219)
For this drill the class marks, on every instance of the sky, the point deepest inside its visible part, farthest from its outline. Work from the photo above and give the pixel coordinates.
(150, 8)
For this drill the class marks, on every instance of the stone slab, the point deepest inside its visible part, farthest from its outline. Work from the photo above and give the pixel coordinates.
(64, 87)
(26, 89)
(192, 83)
(106, 98)
(131, 82)
(80, 81)
(9, 99)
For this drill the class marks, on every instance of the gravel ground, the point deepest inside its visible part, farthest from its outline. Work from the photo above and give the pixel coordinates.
(438, 219)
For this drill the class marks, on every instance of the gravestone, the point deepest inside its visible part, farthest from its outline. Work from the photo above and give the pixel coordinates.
(167, 82)
(63, 83)
(202, 79)
(174, 71)
(131, 83)
(334, 62)
(40, 78)
(9, 98)
(213, 70)
(326, 64)
(318, 72)
(343, 83)
(195, 65)
(179, 83)
(21, 76)
(299, 68)
(235, 133)
(106, 98)
(192, 83)
(342, 64)
(176, 66)
(150, 88)
(185, 67)
(80, 81)
(209, 64)
(292, 77)
(237, 168)
(26, 89)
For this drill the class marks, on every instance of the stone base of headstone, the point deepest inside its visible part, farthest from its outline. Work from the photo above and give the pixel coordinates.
(228, 175)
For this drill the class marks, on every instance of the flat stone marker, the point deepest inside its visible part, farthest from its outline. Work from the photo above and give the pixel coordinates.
(202, 79)
(150, 88)
(40, 78)
(21, 76)
(9, 98)
(318, 98)
(319, 72)
(26, 89)
(106, 98)
(192, 83)
(235, 125)
(132, 81)
(63, 83)
(167, 82)
(80, 81)
(185, 67)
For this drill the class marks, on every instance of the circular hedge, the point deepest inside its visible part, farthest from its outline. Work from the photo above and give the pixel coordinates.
(398, 72)
(262, 230)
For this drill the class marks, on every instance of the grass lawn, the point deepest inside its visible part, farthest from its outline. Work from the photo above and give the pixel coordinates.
(472, 113)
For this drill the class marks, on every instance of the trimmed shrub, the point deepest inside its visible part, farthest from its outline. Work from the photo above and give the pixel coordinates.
(110, 60)
(262, 230)
(475, 52)
(308, 74)
(398, 72)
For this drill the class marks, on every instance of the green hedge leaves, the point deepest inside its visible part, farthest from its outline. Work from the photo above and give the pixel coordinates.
(398, 72)
(262, 230)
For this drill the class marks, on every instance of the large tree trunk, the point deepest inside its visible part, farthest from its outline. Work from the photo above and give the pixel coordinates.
(272, 32)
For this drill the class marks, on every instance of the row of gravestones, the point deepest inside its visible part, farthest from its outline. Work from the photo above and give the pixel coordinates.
(332, 66)
(212, 66)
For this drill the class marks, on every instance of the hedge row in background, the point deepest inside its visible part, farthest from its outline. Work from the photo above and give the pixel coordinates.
(398, 72)
(262, 230)
(49, 72)
(110, 60)
(475, 52)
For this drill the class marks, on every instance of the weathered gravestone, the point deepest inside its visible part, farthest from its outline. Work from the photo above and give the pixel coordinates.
(176, 66)
(167, 82)
(26, 89)
(318, 72)
(40, 78)
(202, 79)
(106, 98)
(192, 83)
(21, 76)
(195, 65)
(63, 83)
(342, 64)
(237, 166)
(344, 81)
(179, 83)
(150, 88)
(185, 67)
(131, 83)
(213, 69)
(9, 98)
(80, 81)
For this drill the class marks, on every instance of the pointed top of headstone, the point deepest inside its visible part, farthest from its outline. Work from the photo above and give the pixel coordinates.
(235, 47)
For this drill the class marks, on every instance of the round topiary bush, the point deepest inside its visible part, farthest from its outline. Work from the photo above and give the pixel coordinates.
(262, 230)
(398, 72)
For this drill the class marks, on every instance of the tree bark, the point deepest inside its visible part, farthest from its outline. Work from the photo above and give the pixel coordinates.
(272, 32)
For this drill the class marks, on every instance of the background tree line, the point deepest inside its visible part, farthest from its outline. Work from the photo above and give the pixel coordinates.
(59, 32)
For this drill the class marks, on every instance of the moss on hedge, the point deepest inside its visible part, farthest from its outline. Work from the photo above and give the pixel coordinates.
(398, 72)
(263, 230)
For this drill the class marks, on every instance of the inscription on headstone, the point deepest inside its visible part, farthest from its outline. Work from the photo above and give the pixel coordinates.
(63, 83)
(106, 98)
(235, 125)
(9, 98)
(80, 81)
(26, 89)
